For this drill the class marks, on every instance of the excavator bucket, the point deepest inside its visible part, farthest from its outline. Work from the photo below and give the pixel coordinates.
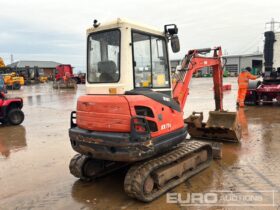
(221, 126)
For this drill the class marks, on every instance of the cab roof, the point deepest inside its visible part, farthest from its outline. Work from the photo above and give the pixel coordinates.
(124, 23)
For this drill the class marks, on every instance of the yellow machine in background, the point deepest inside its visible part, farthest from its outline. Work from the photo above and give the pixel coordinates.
(2, 64)
(13, 81)
(43, 79)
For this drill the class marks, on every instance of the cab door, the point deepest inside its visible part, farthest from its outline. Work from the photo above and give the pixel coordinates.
(150, 62)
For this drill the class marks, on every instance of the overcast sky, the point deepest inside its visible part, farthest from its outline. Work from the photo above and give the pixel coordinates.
(55, 29)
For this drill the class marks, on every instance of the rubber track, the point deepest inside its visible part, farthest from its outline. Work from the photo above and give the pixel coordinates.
(137, 174)
(76, 167)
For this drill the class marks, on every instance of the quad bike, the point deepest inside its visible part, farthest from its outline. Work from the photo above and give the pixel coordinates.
(10, 110)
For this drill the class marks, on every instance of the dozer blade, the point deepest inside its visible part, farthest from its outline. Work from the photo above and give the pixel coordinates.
(221, 126)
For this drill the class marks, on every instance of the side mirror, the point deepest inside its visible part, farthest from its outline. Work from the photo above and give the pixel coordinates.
(175, 43)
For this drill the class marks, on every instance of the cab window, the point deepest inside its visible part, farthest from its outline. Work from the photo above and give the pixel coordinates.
(103, 57)
(150, 61)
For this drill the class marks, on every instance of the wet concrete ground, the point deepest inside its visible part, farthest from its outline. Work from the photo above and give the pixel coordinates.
(34, 157)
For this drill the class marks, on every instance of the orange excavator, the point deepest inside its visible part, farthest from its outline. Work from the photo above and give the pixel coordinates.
(132, 116)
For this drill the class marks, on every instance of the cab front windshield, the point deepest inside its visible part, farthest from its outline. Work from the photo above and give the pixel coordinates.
(103, 57)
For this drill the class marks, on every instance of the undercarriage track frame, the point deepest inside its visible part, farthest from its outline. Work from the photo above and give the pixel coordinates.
(135, 184)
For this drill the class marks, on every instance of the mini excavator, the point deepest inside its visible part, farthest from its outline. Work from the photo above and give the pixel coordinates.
(132, 115)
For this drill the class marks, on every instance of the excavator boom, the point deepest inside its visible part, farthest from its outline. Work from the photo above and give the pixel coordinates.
(194, 62)
(221, 125)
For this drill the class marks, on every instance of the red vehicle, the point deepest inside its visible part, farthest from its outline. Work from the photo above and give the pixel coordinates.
(268, 90)
(63, 70)
(80, 78)
(10, 110)
(66, 70)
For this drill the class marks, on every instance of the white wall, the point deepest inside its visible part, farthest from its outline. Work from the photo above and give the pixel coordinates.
(276, 51)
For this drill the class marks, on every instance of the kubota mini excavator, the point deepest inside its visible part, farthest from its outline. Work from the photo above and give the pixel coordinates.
(131, 115)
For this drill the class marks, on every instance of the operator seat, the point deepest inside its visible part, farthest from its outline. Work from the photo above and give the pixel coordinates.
(108, 70)
(159, 97)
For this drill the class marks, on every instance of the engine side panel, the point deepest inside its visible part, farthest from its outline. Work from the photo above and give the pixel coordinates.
(113, 113)
(103, 113)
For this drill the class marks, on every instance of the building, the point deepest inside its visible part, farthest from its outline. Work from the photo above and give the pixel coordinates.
(48, 67)
(234, 63)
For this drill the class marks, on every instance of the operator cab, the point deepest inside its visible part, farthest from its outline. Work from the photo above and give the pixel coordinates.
(124, 56)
